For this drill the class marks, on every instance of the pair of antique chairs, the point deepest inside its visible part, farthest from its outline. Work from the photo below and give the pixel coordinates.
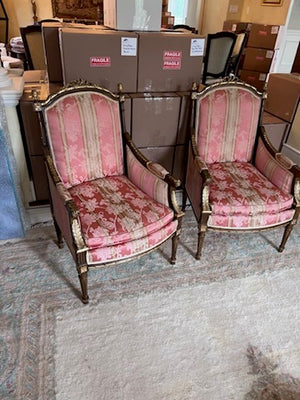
(110, 204)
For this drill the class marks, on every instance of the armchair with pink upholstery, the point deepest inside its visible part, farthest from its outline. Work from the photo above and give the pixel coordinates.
(235, 180)
(109, 203)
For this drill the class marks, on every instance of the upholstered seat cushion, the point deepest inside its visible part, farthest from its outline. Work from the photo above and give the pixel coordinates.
(119, 220)
(241, 197)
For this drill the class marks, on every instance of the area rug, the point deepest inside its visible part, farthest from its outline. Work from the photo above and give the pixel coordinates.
(226, 327)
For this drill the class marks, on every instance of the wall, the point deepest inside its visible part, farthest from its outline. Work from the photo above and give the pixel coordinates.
(254, 11)
(214, 14)
(20, 13)
(235, 9)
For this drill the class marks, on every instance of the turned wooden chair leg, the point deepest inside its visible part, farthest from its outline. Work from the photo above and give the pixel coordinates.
(286, 234)
(184, 200)
(201, 235)
(60, 242)
(82, 274)
(175, 240)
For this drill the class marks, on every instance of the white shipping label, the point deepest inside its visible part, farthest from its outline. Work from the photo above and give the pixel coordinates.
(197, 47)
(269, 54)
(128, 46)
(262, 77)
(274, 30)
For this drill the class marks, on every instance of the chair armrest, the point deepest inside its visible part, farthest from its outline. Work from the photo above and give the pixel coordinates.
(278, 168)
(151, 178)
(64, 210)
(156, 168)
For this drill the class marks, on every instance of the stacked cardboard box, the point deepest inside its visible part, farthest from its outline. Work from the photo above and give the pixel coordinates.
(259, 51)
(283, 96)
(156, 69)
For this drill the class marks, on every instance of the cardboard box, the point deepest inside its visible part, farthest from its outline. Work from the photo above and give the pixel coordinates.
(169, 61)
(103, 57)
(263, 36)
(180, 162)
(276, 129)
(154, 120)
(257, 59)
(50, 33)
(52, 50)
(162, 155)
(236, 26)
(167, 21)
(254, 78)
(283, 94)
(132, 15)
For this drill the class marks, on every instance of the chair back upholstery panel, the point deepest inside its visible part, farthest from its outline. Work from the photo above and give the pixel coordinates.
(219, 51)
(272, 169)
(84, 134)
(226, 124)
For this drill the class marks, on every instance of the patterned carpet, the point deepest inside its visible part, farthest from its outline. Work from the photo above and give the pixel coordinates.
(41, 335)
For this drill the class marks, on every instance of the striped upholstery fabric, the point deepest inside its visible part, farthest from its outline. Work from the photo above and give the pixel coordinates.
(241, 197)
(226, 124)
(147, 181)
(272, 169)
(119, 220)
(85, 137)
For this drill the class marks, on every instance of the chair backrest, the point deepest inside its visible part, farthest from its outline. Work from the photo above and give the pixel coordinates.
(217, 55)
(183, 27)
(237, 52)
(226, 118)
(83, 128)
(33, 45)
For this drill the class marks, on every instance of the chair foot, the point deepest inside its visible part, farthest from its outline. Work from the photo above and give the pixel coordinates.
(286, 234)
(201, 235)
(82, 274)
(60, 242)
(184, 200)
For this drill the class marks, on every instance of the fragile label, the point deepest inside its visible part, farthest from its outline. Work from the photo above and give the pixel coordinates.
(98, 61)
(128, 46)
(172, 60)
(197, 47)
(262, 33)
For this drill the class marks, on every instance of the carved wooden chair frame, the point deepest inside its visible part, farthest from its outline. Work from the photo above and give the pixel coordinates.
(76, 242)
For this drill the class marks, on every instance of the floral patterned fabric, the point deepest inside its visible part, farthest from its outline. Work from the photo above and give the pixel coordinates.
(241, 197)
(272, 169)
(135, 247)
(118, 220)
(85, 137)
(226, 124)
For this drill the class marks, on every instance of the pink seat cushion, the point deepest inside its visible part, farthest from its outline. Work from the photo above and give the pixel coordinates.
(128, 249)
(241, 197)
(113, 211)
